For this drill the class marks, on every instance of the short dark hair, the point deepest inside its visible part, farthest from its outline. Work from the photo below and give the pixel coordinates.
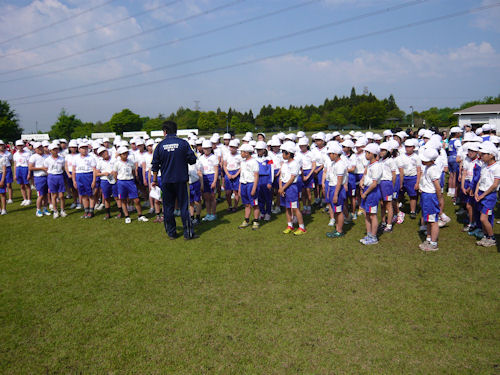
(170, 127)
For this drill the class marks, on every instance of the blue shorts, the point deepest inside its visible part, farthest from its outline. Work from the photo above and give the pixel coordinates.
(140, 180)
(41, 185)
(291, 198)
(97, 182)
(466, 198)
(84, 183)
(441, 180)
(327, 191)
(246, 196)
(309, 183)
(56, 183)
(370, 203)
(276, 179)
(127, 189)
(359, 176)
(9, 179)
(208, 180)
(351, 184)
(107, 189)
(452, 164)
(430, 207)
(337, 207)
(2, 189)
(231, 184)
(409, 186)
(114, 190)
(395, 194)
(487, 204)
(22, 175)
(195, 192)
(386, 190)
(319, 177)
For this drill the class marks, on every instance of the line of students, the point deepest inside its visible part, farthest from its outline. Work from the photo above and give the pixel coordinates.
(362, 170)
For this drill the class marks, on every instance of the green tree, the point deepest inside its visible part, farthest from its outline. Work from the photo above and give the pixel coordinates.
(369, 114)
(207, 121)
(9, 123)
(154, 123)
(83, 130)
(125, 121)
(65, 125)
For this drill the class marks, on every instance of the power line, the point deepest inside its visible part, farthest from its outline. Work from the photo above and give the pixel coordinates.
(91, 30)
(56, 22)
(164, 44)
(231, 50)
(260, 59)
(199, 14)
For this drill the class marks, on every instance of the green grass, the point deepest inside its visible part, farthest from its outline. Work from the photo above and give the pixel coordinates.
(89, 296)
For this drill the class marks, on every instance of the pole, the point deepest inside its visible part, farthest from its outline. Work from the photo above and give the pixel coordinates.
(412, 122)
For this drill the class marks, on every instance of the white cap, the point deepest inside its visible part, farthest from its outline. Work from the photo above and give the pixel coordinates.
(150, 142)
(386, 146)
(215, 139)
(123, 144)
(335, 134)
(45, 143)
(275, 142)
(101, 149)
(139, 141)
(158, 140)
(473, 146)
(249, 134)
(358, 134)
(199, 141)
(233, 143)
(301, 134)
(373, 148)
(319, 136)
(133, 140)
(409, 143)
(494, 139)
(455, 129)
(227, 136)
(401, 135)
(246, 148)
(121, 150)
(252, 143)
(334, 148)
(387, 133)
(105, 139)
(291, 137)
(469, 137)
(83, 144)
(427, 134)
(73, 143)
(421, 132)
(361, 142)
(19, 142)
(328, 137)
(206, 144)
(63, 140)
(348, 143)
(347, 136)
(281, 136)
(479, 131)
(377, 137)
(394, 144)
(261, 145)
(262, 134)
(36, 144)
(247, 138)
(303, 141)
(486, 127)
(429, 154)
(289, 146)
(53, 146)
(488, 148)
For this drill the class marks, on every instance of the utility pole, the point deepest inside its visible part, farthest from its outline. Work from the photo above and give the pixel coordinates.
(412, 121)
(196, 105)
(36, 125)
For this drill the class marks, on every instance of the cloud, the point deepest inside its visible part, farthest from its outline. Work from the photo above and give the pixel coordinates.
(490, 19)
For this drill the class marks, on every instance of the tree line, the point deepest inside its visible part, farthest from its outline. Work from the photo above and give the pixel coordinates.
(356, 111)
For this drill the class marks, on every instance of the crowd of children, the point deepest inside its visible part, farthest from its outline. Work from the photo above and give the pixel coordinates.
(344, 175)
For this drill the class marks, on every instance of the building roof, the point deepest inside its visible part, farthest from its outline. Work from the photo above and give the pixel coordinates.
(480, 109)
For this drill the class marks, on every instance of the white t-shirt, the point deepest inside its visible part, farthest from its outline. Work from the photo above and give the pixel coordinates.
(233, 162)
(411, 163)
(37, 161)
(399, 164)
(468, 168)
(148, 159)
(336, 169)
(288, 169)
(307, 158)
(361, 163)
(388, 166)
(488, 176)
(193, 170)
(3, 162)
(124, 169)
(105, 166)
(84, 164)
(319, 156)
(22, 158)
(8, 158)
(248, 168)
(54, 166)
(277, 160)
(208, 163)
(430, 174)
(373, 173)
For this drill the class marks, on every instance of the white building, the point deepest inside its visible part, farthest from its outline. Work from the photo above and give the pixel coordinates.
(479, 115)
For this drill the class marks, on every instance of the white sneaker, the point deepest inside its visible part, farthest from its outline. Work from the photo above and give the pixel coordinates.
(143, 218)
(23, 203)
(267, 217)
(28, 202)
(51, 207)
(56, 214)
(9, 201)
(3, 212)
(151, 210)
(128, 220)
(63, 214)
(78, 206)
(99, 207)
(446, 219)
(331, 223)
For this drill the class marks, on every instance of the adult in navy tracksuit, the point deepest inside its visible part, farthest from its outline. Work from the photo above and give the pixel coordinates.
(172, 156)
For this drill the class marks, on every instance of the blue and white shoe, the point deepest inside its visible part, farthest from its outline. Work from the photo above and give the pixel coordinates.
(371, 241)
(46, 212)
(212, 218)
(364, 239)
(39, 213)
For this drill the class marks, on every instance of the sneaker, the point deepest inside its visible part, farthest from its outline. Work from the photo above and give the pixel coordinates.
(400, 205)
(335, 234)
(244, 225)
(427, 246)
(354, 216)
(388, 229)
(23, 203)
(151, 210)
(212, 218)
(9, 201)
(288, 230)
(413, 215)
(331, 223)
(479, 234)
(143, 218)
(28, 203)
(441, 223)
(63, 213)
(78, 206)
(461, 211)
(100, 207)
(195, 222)
(159, 220)
(299, 232)
(467, 228)
(51, 208)
(364, 239)
(206, 218)
(128, 220)
(177, 212)
(277, 210)
(371, 241)
(3, 212)
(39, 213)
(73, 206)
(445, 219)
(487, 242)
(255, 225)
(106, 217)
(119, 216)
(46, 212)
(267, 217)
(56, 215)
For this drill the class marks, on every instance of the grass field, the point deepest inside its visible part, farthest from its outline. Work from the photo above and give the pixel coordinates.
(94, 296)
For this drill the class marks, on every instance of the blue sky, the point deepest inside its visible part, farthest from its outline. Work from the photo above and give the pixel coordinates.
(442, 63)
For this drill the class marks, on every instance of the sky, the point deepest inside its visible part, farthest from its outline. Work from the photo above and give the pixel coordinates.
(96, 57)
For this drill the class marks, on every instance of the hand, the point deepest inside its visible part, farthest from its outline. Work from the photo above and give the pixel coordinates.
(269, 186)
(1, 184)
(416, 187)
(479, 197)
(214, 185)
(75, 185)
(363, 195)
(252, 193)
(281, 192)
(154, 183)
(45, 169)
(464, 190)
(145, 182)
(335, 199)
(92, 185)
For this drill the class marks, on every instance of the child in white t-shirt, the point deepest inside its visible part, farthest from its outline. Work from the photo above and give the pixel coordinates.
(249, 179)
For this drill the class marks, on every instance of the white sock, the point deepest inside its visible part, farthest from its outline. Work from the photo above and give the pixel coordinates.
(301, 226)
(290, 224)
